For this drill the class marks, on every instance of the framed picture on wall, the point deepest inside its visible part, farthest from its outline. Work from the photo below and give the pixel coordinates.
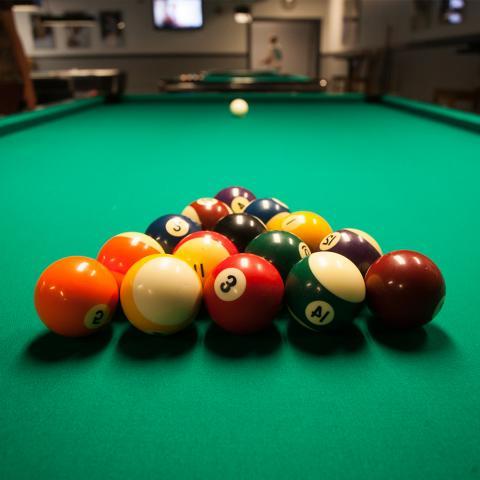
(112, 28)
(43, 37)
(77, 36)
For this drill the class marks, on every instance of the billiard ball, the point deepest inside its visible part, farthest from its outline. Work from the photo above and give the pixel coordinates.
(237, 198)
(354, 244)
(238, 107)
(76, 296)
(204, 250)
(266, 208)
(161, 294)
(282, 249)
(275, 223)
(324, 291)
(206, 212)
(308, 226)
(404, 289)
(168, 230)
(240, 228)
(120, 252)
(243, 293)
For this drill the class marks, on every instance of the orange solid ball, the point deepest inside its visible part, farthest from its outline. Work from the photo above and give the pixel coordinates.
(76, 296)
(120, 252)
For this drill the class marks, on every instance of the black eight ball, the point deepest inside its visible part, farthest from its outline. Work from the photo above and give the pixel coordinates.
(240, 228)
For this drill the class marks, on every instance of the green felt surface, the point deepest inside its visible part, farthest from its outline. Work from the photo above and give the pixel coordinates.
(258, 78)
(286, 404)
(467, 120)
(42, 114)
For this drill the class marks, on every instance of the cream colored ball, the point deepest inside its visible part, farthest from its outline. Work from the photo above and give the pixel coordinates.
(239, 107)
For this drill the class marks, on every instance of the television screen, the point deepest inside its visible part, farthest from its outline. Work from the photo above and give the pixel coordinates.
(177, 14)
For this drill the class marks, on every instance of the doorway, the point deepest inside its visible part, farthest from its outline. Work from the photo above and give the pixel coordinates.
(298, 39)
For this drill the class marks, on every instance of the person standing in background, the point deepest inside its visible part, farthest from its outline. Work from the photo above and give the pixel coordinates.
(16, 86)
(274, 58)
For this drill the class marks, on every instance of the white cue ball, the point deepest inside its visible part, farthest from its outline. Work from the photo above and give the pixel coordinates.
(239, 107)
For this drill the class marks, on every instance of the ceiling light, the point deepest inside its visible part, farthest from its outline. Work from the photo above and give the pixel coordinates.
(243, 15)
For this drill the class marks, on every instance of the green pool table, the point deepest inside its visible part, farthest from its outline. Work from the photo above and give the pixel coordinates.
(257, 76)
(203, 404)
(240, 81)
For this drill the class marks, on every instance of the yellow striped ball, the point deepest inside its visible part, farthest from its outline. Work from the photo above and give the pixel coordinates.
(161, 294)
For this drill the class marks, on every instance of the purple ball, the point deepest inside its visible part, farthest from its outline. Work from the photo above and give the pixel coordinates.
(237, 198)
(359, 247)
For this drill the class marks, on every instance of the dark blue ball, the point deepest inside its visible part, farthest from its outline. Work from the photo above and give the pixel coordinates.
(266, 208)
(168, 230)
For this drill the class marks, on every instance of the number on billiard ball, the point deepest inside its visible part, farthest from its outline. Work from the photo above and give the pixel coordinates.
(308, 226)
(282, 249)
(237, 198)
(204, 251)
(358, 246)
(324, 291)
(169, 230)
(76, 296)
(243, 293)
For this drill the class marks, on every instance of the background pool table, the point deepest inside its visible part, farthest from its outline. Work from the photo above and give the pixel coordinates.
(240, 81)
(203, 404)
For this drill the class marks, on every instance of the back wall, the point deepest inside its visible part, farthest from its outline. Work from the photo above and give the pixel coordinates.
(150, 54)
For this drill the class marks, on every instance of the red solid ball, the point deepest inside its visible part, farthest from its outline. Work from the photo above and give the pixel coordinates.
(243, 293)
(404, 289)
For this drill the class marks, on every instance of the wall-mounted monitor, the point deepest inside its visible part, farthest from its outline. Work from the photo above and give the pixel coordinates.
(177, 14)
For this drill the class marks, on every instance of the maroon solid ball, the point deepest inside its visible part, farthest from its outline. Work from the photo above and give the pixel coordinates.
(404, 289)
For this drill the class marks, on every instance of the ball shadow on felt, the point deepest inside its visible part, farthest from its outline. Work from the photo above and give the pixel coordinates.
(426, 338)
(348, 340)
(49, 347)
(137, 345)
(229, 345)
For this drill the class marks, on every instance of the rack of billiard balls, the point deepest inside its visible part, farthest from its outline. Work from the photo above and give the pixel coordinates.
(244, 257)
